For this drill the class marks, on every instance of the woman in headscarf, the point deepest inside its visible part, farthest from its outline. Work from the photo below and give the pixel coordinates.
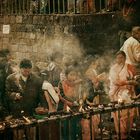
(122, 89)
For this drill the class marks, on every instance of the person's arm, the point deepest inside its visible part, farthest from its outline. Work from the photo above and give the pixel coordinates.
(91, 92)
(62, 95)
(12, 91)
(42, 101)
(42, 107)
(113, 77)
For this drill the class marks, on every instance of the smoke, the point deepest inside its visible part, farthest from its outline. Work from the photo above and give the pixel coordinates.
(62, 44)
(57, 47)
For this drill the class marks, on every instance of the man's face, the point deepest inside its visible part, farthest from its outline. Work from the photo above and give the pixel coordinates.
(26, 71)
(138, 35)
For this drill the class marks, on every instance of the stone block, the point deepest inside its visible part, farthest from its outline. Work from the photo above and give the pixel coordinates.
(32, 36)
(25, 48)
(40, 57)
(1, 35)
(34, 57)
(12, 19)
(22, 41)
(30, 42)
(36, 19)
(0, 43)
(43, 20)
(5, 40)
(19, 19)
(29, 27)
(18, 56)
(29, 49)
(13, 27)
(1, 19)
(27, 55)
(22, 47)
(14, 47)
(35, 48)
(5, 45)
(38, 35)
(24, 35)
(27, 19)
(6, 19)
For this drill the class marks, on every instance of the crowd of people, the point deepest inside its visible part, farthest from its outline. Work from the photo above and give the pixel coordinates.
(65, 84)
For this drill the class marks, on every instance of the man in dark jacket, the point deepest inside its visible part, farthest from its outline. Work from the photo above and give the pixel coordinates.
(23, 90)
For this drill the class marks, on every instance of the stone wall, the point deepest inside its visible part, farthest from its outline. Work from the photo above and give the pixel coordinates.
(38, 36)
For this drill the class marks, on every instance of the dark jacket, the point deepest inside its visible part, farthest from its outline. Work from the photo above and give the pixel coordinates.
(31, 92)
(93, 91)
(3, 75)
(2, 79)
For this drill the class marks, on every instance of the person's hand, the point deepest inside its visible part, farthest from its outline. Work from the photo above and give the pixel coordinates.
(18, 96)
(132, 82)
(70, 104)
(57, 90)
(41, 110)
(75, 103)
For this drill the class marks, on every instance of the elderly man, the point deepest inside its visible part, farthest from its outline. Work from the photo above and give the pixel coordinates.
(132, 47)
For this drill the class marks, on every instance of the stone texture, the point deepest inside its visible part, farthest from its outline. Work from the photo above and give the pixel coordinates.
(6, 19)
(1, 19)
(19, 19)
(12, 19)
(34, 36)
(14, 48)
(5, 40)
(27, 19)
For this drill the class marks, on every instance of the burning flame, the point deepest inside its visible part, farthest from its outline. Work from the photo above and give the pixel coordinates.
(120, 100)
(68, 109)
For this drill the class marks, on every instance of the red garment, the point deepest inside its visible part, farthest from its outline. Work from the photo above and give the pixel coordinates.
(69, 89)
(120, 89)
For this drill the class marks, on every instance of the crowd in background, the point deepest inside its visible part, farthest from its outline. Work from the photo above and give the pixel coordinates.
(64, 84)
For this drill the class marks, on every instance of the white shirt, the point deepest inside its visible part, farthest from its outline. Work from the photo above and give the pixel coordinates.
(132, 49)
(119, 72)
(23, 78)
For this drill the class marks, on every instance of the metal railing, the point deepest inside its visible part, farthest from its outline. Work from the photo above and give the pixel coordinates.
(57, 6)
(60, 118)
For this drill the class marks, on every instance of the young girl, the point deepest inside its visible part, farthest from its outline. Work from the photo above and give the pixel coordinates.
(69, 95)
